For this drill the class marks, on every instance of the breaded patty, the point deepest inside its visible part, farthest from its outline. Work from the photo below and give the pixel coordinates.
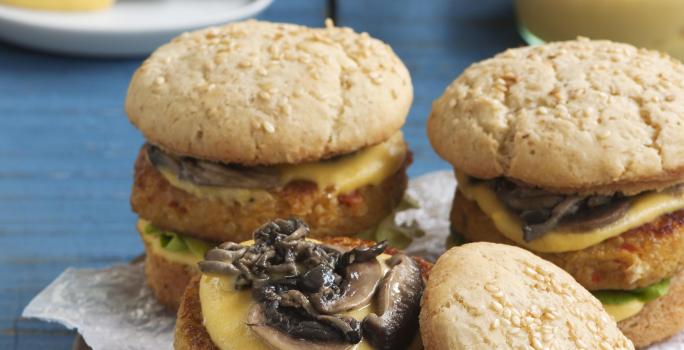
(190, 332)
(637, 258)
(171, 208)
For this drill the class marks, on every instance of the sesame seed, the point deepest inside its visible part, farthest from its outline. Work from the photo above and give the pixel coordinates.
(490, 287)
(495, 324)
(286, 109)
(537, 343)
(297, 93)
(452, 103)
(269, 127)
(376, 77)
(496, 306)
(245, 64)
(329, 23)
(516, 320)
(262, 71)
(264, 95)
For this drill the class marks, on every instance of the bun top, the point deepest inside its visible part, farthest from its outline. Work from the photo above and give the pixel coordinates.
(574, 116)
(266, 93)
(495, 296)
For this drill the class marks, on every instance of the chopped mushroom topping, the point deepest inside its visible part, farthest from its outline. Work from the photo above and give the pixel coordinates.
(300, 288)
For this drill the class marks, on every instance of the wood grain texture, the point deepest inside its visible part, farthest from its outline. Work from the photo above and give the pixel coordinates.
(67, 150)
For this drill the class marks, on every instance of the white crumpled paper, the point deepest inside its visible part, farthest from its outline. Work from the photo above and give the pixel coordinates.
(114, 309)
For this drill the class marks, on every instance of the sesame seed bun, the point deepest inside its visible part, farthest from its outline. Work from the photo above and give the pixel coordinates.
(269, 93)
(576, 116)
(494, 296)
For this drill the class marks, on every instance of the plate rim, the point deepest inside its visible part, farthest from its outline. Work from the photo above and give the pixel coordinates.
(248, 10)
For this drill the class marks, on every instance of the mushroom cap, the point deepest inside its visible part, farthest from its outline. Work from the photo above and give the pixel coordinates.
(494, 296)
(269, 93)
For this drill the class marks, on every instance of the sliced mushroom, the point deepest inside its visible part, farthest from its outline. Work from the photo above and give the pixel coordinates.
(207, 173)
(398, 305)
(359, 283)
(162, 160)
(361, 254)
(257, 322)
(599, 216)
(567, 206)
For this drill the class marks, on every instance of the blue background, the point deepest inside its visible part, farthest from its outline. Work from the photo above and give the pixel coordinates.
(67, 149)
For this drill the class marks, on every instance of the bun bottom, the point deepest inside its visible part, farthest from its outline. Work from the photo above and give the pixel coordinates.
(659, 319)
(166, 278)
(190, 333)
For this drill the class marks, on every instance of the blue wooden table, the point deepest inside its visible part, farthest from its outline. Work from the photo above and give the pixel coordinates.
(67, 150)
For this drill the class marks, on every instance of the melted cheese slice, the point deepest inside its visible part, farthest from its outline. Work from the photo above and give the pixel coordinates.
(644, 208)
(344, 174)
(225, 311)
(369, 166)
(240, 196)
(185, 258)
(61, 5)
(623, 311)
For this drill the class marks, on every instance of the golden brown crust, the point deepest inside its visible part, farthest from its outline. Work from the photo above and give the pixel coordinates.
(659, 319)
(166, 278)
(635, 259)
(168, 207)
(190, 332)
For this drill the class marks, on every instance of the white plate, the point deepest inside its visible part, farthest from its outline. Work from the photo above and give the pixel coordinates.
(129, 28)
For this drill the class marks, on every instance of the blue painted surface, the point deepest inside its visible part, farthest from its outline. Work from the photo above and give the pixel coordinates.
(67, 150)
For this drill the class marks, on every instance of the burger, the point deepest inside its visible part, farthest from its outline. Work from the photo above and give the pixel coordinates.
(574, 150)
(496, 296)
(256, 120)
(281, 290)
